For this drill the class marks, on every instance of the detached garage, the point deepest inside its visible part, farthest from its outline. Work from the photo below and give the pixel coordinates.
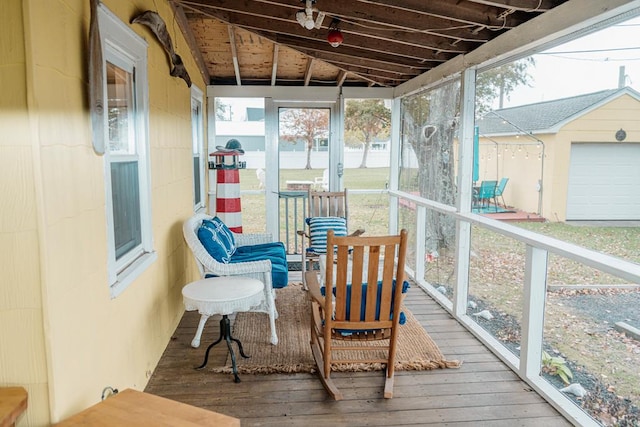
(604, 182)
(574, 158)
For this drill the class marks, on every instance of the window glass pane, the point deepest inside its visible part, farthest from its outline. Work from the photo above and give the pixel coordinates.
(366, 160)
(195, 126)
(125, 190)
(304, 157)
(562, 143)
(427, 165)
(196, 181)
(197, 148)
(243, 119)
(120, 107)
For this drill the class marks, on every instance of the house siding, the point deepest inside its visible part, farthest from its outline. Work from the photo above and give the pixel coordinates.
(63, 338)
(597, 125)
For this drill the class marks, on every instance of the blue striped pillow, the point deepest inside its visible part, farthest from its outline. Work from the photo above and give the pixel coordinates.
(318, 227)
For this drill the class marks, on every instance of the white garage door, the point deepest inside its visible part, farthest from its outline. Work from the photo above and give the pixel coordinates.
(604, 182)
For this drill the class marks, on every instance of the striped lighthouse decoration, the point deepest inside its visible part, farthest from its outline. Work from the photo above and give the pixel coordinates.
(227, 165)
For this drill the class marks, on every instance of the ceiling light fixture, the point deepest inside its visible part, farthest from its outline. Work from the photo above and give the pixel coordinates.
(305, 17)
(335, 37)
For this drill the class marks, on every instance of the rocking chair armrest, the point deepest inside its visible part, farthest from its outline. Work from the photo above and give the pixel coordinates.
(358, 232)
(314, 287)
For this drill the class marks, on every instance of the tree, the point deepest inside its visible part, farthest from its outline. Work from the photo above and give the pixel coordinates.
(500, 81)
(306, 124)
(430, 127)
(367, 119)
(223, 111)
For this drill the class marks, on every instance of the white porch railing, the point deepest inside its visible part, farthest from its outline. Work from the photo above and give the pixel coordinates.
(528, 365)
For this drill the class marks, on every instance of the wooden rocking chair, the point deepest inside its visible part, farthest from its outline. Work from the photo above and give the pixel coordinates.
(322, 204)
(360, 263)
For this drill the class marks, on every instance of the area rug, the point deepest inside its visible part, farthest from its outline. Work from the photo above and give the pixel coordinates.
(416, 350)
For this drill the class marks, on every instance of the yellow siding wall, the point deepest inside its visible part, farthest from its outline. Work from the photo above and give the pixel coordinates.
(22, 342)
(63, 337)
(520, 158)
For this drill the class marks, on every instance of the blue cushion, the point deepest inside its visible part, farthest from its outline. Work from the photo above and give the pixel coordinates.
(318, 227)
(270, 246)
(405, 287)
(273, 251)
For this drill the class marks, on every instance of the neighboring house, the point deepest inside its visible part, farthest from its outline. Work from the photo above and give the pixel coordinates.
(79, 313)
(557, 154)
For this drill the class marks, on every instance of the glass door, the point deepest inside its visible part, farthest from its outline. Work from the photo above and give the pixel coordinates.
(304, 159)
(366, 163)
(242, 121)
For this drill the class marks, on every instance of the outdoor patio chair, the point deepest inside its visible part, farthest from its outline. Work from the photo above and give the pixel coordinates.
(326, 210)
(253, 255)
(486, 193)
(499, 190)
(359, 303)
(322, 182)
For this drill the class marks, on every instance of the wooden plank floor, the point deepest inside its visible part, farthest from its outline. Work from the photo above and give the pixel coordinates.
(482, 392)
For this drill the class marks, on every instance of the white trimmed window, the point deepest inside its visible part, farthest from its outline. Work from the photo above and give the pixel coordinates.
(197, 126)
(127, 182)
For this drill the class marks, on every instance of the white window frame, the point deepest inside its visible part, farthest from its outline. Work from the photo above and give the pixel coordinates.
(124, 48)
(197, 135)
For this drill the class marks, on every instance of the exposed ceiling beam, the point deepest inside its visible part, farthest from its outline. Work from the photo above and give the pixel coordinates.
(308, 71)
(464, 12)
(363, 64)
(234, 54)
(183, 23)
(342, 75)
(523, 5)
(274, 67)
(345, 50)
(373, 15)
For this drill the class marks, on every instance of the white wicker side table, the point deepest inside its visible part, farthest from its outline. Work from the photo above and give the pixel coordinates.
(222, 295)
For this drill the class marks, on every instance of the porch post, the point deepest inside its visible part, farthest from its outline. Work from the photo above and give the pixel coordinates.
(535, 287)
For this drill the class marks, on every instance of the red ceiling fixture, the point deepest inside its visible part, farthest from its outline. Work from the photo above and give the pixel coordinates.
(335, 37)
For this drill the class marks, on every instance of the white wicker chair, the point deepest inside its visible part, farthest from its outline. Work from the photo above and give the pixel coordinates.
(260, 270)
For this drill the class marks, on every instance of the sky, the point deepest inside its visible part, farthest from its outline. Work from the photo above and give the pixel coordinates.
(584, 65)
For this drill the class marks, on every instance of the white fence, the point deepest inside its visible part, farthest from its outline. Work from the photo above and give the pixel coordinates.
(319, 159)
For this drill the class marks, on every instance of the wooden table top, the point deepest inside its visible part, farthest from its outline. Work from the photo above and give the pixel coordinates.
(13, 402)
(136, 408)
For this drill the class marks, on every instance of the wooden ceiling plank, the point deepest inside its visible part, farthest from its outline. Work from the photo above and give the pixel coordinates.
(386, 58)
(364, 63)
(359, 66)
(387, 42)
(365, 42)
(373, 15)
(393, 39)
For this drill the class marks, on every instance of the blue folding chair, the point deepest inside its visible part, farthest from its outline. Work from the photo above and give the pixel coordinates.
(486, 193)
(500, 190)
